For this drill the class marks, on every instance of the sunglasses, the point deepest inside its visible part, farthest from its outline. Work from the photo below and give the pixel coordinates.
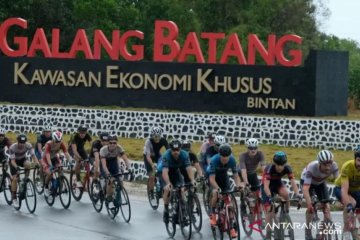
(112, 143)
(280, 164)
(176, 150)
(224, 155)
(252, 148)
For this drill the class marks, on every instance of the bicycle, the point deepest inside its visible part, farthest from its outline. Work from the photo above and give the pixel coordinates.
(282, 229)
(317, 226)
(354, 224)
(26, 191)
(38, 179)
(252, 212)
(226, 216)
(77, 191)
(59, 186)
(154, 194)
(5, 182)
(179, 213)
(206, 194)
(194, 206)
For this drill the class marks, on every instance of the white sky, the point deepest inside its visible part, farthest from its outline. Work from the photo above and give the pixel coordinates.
(344, 20)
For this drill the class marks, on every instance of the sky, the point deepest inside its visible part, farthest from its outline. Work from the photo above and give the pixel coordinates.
(344, 19)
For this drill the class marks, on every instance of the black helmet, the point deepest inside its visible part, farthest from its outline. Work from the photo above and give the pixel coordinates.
(357, 152)
(186, 145)
(175, 144)
(21, 138)
(113, 138)
(280, 158)
(82, 128)
(104, 136)
(225, 150)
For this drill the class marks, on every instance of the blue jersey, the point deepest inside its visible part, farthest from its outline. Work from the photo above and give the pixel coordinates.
(217, 168)
(169, 162)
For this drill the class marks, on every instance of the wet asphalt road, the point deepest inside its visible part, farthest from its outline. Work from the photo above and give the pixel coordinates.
(81, 221)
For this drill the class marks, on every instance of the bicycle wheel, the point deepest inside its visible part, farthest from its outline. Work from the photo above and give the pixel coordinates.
(51, 198)
(152, 196)
(206, 198)
(246, 217)
(234, 204)
(89, 181)
(30, 196)
(38, 181)
(97, 195)
(232, 223)
(113, 211)
(171, 225)
(64, 192)
(7, 189)
(185, 220)
(125, 206)
(260, 219)
(286, 232)
(196, 213)
(76, 191)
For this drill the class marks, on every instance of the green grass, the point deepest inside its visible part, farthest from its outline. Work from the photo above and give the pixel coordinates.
(298, 157)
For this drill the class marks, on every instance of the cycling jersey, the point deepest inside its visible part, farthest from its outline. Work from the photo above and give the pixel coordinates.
(274, 177)
(211, 152)
(53, 149)
(20, 153)
(111, 157)
(80, 143)
(193, 158)
(169, 161)
(250, 164)
(95, 147)
(4, 143)
(220, 170)
(349, 171)
(153, 148)
(312, 174)
(42, 139)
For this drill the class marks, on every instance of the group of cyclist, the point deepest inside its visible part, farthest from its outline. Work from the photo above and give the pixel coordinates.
(175, 167)
(104, 155)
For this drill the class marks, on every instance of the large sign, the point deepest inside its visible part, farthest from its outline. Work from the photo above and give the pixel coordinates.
(166, 48)
(304, 90)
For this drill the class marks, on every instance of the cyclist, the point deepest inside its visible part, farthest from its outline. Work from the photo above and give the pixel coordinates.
(176, 169)
(18, 157)
(214, 149)
(204, 147)
(5, 144)
(77, 150)
(219, 178)
(110, 165)
(186, 146)
(152, 154)
(95, 152)
(347, 188)
(51, 157)
(313, 179)
(272, 184)
(41, 140)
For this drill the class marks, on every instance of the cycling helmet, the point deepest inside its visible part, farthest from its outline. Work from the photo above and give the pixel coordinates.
(357, 152)
(252, 143)
(280, 158)
(211, 135)
(156, 131)
(57, 136)
(175, 144)
(82, 128)
(2, 131)
(225, 150)
(113, 138)
(219, 140)
(325, 156)
(186, 145)
(21, 138)
(104, 136)
(47, 128)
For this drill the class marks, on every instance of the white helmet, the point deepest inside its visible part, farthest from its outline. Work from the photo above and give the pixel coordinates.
(156, 131)
(219, 140)
(325, 156)
(252, 142)
(57, 136)
(2, 131)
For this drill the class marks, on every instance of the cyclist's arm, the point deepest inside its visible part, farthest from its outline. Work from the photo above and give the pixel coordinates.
(213, 182)
(148, 158)
(39, 148)
(237, 179)
(165, 175)
(198, 169)
(125, 158)
(13, 162)
(103, 164)
(97, 160)
(190, 174)
(306, 193)
(244, 176)
(345, 191)
(266, 187)
(35, 159)
(74, 149)
(294, 186)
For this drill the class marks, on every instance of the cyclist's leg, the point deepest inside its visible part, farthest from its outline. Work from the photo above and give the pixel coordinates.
(26, 165)
(149, 172)
(267, 205)
(96, 164)
(283, 192)
(14, 175)
(356, 196)
(113, 168)
(322, 193)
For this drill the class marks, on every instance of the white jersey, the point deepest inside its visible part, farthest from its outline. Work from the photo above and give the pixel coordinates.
(312, 174)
